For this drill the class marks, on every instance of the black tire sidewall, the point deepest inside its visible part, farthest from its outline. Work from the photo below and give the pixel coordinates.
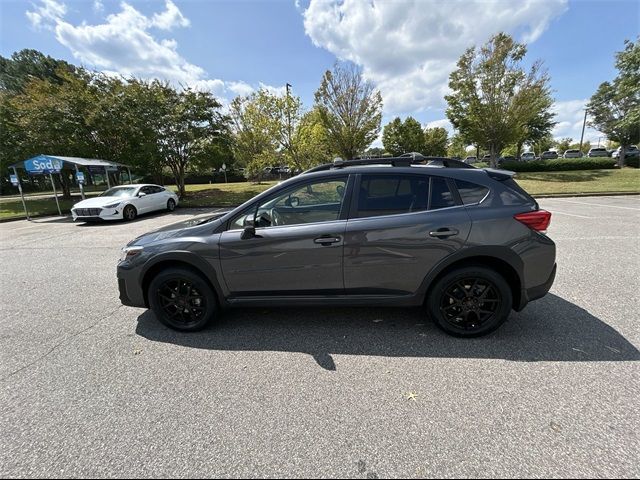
(200, 283)
(128, 208)
(501, 315)
(171, 205)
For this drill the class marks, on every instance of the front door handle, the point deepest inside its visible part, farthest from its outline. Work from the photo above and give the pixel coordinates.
(327, 240)
(444, 233)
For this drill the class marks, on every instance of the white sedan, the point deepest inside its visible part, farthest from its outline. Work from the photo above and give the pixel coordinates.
(125, 202)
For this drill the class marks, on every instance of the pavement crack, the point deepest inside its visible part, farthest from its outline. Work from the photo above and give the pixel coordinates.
(61, 343)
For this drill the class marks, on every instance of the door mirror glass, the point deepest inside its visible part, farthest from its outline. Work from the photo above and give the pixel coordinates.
(292, 201)
(142, 194)
(249, 229)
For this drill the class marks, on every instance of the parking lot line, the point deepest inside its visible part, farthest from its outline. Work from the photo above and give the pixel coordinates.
(596, 204)
(569, 214)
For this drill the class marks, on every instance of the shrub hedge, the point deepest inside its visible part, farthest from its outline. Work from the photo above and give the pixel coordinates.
(560, 165)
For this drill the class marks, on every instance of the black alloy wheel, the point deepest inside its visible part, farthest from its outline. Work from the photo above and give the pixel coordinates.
(470, 301)
(182, 299)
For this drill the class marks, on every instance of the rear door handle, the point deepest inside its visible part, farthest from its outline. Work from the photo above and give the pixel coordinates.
(328, 240)
(444, 233)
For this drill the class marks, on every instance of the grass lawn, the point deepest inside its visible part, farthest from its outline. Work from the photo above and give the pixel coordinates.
(232, 194)
(580, 181)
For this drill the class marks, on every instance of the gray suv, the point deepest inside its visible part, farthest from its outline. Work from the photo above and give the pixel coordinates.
(467, 244)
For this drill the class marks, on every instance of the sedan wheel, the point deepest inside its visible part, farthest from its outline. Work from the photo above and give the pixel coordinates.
(171, 205)
(129, 212)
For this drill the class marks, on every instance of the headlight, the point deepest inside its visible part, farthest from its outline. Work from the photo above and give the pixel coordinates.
(113, 205)
(129, 252)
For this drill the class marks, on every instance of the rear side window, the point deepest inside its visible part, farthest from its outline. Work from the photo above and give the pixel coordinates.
(396, 194)
(471, 192)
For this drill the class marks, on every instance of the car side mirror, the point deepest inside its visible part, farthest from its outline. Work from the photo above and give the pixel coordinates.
(142, 194)
(249, 230)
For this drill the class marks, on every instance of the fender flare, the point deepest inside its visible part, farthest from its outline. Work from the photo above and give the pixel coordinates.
(192, 260)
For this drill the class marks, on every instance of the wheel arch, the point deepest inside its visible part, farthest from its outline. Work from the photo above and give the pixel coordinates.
(502, 260)
(180, 260)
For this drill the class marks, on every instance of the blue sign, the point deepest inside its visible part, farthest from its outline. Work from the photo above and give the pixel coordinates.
(14, 180)
(43, 164)
(80, 177)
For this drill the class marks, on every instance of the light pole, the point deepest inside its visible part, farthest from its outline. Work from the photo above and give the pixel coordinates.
(584, 123)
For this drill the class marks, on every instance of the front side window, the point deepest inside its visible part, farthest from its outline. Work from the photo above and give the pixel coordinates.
(312, 202)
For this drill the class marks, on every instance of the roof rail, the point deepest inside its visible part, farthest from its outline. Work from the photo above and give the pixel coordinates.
(405, 160)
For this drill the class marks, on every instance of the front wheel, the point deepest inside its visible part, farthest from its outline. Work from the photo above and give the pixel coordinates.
(129, 213)
(182, 299)
(470, 301)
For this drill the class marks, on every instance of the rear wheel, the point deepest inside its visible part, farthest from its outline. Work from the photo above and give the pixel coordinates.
(129, 213)
(470, 301)
(171, 205)
(182, 299)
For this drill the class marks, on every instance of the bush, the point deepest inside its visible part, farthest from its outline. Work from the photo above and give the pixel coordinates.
(560, 165)
(632, 162)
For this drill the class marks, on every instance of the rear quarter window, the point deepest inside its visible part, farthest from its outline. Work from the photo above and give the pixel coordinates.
(471, 192)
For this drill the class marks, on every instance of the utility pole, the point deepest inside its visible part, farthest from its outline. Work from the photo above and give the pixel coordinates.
(584, 123)
(288, 87)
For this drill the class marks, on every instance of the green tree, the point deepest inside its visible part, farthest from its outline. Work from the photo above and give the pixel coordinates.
(191, 125)
(492, 96)
(350, 109)
(615, 107)
(457, 146)
(26, 65)
(435, 142)
(563, 144)
(400, 137)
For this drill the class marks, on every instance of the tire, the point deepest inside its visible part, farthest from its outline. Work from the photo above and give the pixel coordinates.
(182, 299)
(470, 301)
(129, 213)
(171, 205)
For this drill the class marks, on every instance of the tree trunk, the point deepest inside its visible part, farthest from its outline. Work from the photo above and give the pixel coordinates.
(518, 150)
(492, 152)
(623, 150)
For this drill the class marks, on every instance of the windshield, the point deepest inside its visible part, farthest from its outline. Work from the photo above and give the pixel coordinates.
(120, 192)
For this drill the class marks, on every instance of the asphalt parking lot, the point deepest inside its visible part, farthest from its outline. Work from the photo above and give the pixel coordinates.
(92, 388)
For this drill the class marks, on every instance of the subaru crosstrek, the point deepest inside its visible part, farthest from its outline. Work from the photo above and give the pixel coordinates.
(467, 244)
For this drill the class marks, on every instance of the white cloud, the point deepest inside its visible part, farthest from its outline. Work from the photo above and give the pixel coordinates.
(124, 44)
(570, 117)
(409, 48)
(444, 123)
(47, 13)
(171, 17)
(98, 6)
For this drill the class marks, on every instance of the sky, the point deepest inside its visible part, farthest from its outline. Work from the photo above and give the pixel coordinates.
(406, 48)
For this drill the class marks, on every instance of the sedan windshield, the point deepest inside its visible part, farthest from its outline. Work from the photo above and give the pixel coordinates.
(121, 192)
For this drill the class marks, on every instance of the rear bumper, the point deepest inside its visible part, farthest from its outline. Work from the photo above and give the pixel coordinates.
(539, 291)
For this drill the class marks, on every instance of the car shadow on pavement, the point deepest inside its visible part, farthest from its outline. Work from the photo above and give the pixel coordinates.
(550, 330)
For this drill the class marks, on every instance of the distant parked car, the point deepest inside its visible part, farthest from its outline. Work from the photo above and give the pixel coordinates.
(573, 153)
(598, 152)
(527, 157)
(486, 158)
(549, 155)
(471, 159)
(125, 202)
(508, 158)
(631, 152)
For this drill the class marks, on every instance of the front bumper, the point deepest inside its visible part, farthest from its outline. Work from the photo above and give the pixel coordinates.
(82, 214)
(129, 286)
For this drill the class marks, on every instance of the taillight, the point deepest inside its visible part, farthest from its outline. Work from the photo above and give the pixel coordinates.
(538, 220)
